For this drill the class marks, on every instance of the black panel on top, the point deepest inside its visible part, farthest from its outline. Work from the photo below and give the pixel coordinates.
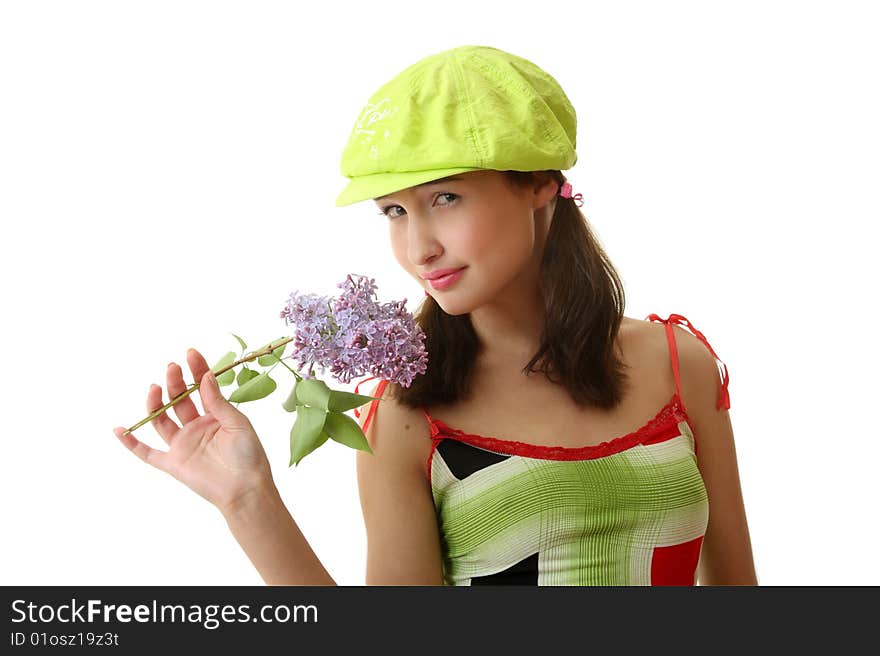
(465, 459)
(525, 572)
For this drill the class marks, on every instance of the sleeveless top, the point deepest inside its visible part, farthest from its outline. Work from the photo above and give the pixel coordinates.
(632, 510)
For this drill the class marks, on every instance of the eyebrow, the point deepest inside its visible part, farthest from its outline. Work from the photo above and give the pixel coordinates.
(425, 184)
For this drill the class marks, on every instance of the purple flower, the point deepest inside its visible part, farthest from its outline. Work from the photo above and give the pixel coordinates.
(353, 334)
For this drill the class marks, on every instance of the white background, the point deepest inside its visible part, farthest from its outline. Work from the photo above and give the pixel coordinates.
(168, 172)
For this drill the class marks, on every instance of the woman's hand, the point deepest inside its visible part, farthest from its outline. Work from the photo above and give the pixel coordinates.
(218, 454)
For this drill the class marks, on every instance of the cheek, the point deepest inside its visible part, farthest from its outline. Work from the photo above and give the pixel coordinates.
(399, 248)
(505, 244)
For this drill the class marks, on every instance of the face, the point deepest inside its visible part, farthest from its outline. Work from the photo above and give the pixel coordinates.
(479, 222)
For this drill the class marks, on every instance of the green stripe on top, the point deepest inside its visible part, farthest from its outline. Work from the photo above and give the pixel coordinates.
(591, 522)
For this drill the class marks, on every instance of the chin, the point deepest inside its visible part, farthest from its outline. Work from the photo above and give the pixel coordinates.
(454, 309)
(455, 303)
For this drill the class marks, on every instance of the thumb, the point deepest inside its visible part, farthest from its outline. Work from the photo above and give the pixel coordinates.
(215, 403)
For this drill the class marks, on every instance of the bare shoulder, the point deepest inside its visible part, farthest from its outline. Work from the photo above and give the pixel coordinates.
(644, 344)
(697, 368)
(639, 334)
(403, 541)
(396, 428)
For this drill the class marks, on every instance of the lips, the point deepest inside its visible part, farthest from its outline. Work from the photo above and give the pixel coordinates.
(445, 281)
(439, 273)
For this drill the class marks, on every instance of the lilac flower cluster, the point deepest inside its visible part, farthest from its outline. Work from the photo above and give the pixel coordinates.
(353, 334)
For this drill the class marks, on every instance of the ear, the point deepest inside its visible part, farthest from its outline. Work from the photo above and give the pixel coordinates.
(545, 190)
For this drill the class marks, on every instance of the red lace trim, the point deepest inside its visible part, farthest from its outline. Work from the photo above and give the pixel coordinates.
(724, 394)
(660, 427)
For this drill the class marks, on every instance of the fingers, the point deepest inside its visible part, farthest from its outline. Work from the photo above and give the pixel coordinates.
(185, 409)
(162, 423)
(197, 364)
(199, 367)
(144, 452)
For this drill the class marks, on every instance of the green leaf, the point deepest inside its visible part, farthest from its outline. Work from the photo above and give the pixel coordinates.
(226, 377)
(273, 357)
(341, 401)
(313, 392)
(245, 375)
(240, 341)
(290, 402)
(307, 433)
(345, 430)
(257, 387)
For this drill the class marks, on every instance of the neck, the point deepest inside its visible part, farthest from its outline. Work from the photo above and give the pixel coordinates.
(510, 327)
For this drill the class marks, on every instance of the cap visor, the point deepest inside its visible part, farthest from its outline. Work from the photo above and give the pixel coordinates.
(367, 187)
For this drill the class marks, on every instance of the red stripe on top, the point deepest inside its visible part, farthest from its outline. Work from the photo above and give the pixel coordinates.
(676, 564)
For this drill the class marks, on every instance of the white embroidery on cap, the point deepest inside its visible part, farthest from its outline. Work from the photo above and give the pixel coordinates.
(370, 115)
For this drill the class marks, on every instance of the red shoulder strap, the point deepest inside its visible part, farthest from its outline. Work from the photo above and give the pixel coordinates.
(357, 412)
(381, 387)
(431, 423)
(724, 395)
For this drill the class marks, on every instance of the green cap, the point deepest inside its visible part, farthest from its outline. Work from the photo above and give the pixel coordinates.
(464, 109)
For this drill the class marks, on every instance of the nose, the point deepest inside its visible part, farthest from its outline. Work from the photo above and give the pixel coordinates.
(422, 245)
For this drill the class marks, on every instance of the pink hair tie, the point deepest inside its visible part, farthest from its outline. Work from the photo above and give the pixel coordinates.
(565, 192)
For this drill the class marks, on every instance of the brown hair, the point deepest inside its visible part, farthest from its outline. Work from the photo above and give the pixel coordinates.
(584, 304)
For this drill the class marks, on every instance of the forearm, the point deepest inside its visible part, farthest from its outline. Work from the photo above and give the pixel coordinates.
(264, 528)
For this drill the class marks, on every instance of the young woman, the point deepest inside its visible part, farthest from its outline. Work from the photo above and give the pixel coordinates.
(552, 440)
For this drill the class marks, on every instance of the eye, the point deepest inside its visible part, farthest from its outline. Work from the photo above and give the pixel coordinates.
(384, 210)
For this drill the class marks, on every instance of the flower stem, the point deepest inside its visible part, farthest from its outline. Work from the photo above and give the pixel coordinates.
(253, 356)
